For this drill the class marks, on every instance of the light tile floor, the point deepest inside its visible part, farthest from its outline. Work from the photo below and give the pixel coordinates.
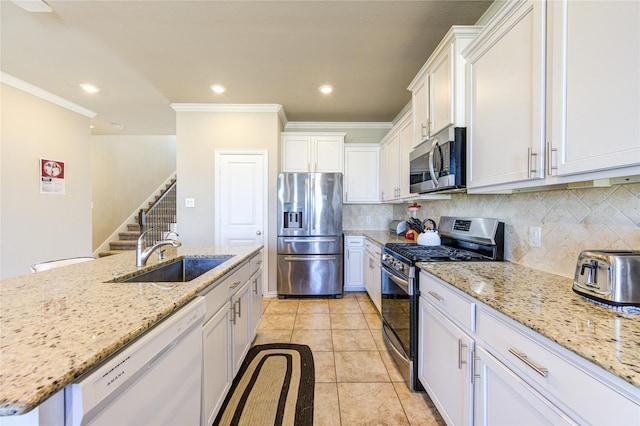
(357, 382)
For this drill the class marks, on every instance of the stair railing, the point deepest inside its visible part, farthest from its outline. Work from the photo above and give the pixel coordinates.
(158, 216)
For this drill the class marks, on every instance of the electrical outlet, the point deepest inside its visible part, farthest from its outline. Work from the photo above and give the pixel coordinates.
(368, 219)
(189, 202)
(535, 236)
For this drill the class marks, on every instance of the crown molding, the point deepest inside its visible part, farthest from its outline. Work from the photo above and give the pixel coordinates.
(190, 107)
(338, 125)
(43, 94)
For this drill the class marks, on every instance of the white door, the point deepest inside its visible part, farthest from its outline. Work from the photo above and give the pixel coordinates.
(240, 198)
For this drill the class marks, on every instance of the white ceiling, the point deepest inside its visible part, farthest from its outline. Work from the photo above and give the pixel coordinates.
(145, 55)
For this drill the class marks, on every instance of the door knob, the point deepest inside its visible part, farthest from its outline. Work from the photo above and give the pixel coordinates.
(258, 232)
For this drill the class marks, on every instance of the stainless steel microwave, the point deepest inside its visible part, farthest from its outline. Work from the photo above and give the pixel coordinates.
(438, 164)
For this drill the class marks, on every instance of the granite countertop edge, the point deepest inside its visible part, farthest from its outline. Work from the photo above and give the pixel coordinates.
(75, 318)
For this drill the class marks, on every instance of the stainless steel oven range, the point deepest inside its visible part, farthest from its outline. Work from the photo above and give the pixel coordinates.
(463, 239)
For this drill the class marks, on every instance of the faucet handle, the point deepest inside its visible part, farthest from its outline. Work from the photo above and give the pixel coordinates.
(161, 254)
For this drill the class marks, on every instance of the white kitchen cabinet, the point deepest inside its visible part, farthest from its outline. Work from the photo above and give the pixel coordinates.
(241, 314)
(394, 159)
(517, 376)
(505, 97)
(217, 363)
(353, 263)
(256, 283)
(226, 337)
(445, 354)
(312, 152)
(594, 86)
(361, 173)
(438, 90)
(372, 277)
(503, 398)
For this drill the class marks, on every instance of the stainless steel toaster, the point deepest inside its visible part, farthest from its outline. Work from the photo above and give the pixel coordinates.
(608, 276)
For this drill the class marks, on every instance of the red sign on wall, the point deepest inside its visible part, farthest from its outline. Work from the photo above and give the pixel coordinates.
(51, 176)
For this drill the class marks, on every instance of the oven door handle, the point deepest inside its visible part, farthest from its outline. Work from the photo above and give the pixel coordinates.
(387, 336)
(404, 284)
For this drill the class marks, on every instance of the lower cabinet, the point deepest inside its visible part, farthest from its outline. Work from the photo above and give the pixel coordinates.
(217, 365)
(483, 368)
(503, 398)
(234, 311)
(372, 278)
(443, 367)
(353, 263)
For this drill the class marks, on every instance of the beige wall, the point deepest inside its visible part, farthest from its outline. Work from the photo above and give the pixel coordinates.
(571, 221)
(199, 135)
(126, 170)
(33, 226)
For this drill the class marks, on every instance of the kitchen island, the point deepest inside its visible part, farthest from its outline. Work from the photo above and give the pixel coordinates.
(57, 325)
(546, 304)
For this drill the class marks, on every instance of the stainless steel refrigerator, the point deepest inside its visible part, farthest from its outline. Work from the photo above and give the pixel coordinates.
(310, 234)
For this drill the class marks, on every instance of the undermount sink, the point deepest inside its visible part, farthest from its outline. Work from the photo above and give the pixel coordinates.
(181, 270)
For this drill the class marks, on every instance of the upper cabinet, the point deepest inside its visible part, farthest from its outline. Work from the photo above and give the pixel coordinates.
(438, 90)
(394, 160)
(312, 152)
(361, 173)
(505, 137)
(594, 86)
(553, 95)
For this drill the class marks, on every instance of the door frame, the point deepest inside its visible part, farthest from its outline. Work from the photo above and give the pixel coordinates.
(265, 204)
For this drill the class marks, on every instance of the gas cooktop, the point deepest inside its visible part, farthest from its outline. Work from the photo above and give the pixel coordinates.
(417, 253)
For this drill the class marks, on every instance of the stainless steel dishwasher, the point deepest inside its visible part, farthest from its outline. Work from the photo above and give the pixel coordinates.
(155, 380)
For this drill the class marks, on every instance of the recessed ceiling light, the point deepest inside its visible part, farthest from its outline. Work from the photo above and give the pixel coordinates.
(326, 89)
(218, 88)
(118, 126)
(90, 88)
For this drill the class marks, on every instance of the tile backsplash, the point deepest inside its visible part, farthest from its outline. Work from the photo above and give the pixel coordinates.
(354, 216)
(571, 221)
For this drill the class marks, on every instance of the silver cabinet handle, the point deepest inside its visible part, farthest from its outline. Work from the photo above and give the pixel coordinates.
(239, 309)
(436, 296)
(474, 373)
(544, 372)
(255, 286)
(550, 151)
(233, 314)
(423, 130)
(234, 285)
(461, 361)
(530, 163)
(258, 232)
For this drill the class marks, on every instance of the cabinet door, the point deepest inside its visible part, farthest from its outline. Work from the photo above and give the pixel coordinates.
(390, 154)
(362, 174)
(505, 102)
(296, 154)
(240, 305)
(419, 102)
(256, 303)
(443, 364)
(594, 85)
(441, 91)
(328, 153)
(217, 363)
(406, 145)
(354, 268)
(503, 398)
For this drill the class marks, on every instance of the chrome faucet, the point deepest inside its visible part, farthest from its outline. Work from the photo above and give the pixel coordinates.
(143, 253)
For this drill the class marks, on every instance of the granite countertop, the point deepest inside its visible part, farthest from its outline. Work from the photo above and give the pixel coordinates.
(546, 303)
(57, 325)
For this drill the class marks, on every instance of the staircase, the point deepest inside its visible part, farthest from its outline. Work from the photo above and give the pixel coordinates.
(158, 215)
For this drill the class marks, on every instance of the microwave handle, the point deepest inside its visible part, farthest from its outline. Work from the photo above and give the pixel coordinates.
(432, 166)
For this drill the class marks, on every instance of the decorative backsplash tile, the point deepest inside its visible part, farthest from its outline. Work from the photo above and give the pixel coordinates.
(571, 221)
(354, 216)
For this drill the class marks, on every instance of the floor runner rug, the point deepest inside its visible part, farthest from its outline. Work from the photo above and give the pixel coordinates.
(273, 387)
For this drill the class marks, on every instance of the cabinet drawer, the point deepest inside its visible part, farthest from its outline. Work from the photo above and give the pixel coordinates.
(219, 292)
(372, 248)
(354, 242)
(255, 263)
(542, 366)
(445, 298)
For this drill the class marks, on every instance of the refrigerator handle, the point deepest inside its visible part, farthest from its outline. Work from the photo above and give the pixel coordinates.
(312, 194)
